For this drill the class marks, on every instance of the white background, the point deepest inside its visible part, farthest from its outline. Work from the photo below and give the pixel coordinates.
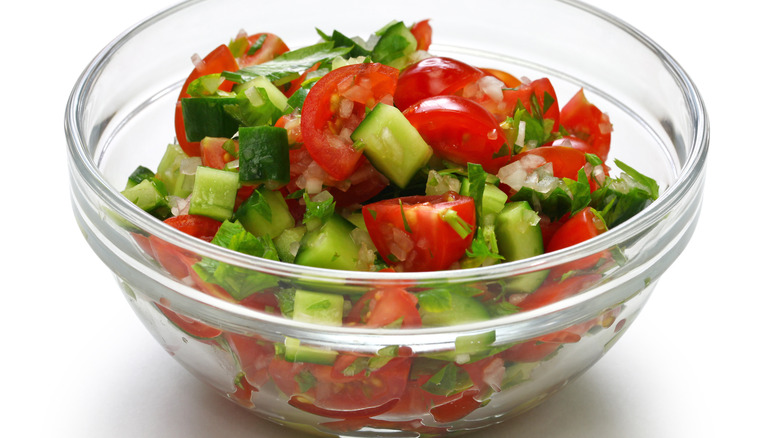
(699, 362)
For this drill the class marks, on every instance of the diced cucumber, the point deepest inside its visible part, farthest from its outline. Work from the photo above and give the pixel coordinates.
(318, 307)
(214, 193)
(265, 212)
(264, 155)
(444, 307)
(206, 117)
(274, 94)
(169, 172)
(395, 44)
(519, 236)
(288, 242)
(148, 195)
(330, 246)
(295, 352)
(493, 198)
(139, 174)
(392, 144)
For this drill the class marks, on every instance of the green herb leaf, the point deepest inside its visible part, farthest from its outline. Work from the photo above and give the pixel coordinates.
(290, 64)
(318, 209)
(448, 381)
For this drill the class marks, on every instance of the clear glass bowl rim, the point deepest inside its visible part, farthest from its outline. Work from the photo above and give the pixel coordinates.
(690, 172)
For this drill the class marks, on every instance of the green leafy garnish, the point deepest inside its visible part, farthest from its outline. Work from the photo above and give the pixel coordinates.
(239, 282)
(318, 209)
(449, 380)
(289, 65)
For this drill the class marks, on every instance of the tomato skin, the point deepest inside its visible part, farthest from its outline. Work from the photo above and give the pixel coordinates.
(410, 234)
(586, 121)
(433, 77)
(272, 47)
(325, 129)
(219, 60)
(460, 130)
(458, 408)
(423, 33)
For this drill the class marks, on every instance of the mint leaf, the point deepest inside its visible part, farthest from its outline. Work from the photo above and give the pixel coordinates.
(646, 181)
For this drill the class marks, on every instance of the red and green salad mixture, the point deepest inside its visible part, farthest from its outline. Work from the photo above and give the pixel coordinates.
(377, 155)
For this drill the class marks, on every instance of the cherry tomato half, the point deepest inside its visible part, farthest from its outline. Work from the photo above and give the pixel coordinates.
(417, 233)
(433, 77)
(461, 131)
(271, 47)
(335, 106)
(423, 33)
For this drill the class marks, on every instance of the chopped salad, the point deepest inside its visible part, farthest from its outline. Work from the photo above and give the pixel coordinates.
(378, 155)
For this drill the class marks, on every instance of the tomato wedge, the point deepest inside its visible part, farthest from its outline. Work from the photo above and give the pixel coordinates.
(219, 60)
(423, 33)
(585, 121)
(582, 226)
(460, 130)
(335, 106)
(421, 233)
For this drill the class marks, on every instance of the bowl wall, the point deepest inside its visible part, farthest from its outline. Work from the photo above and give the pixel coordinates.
(121, 112)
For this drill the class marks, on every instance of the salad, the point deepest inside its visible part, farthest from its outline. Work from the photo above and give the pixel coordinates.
(378, 155)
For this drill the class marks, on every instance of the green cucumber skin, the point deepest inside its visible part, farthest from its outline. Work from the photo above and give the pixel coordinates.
(264, 155)
(206, 117)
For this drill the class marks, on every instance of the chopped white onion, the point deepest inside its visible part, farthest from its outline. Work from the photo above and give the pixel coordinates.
(492, 87)
(345, 108)
(520, 134)
(494, 373)
(254, 97)
(231, 165)
(197, 61)
(189, 165)
(512, 175)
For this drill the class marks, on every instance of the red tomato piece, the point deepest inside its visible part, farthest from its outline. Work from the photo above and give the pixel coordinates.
(582, 226)
(254, 355)
(410, 233)
(219, 60)
(332, 394)
(461, 131)
(272, 46)
(585, 121)
(458, 408)
(186, 324)
(554, 290)
(335, 106)
(213, 153)
(433, 77)
(423, 33)
(566, 162)
(174, 259)
(381, 307)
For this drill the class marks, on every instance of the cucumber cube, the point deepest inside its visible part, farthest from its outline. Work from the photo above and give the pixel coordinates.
(214, 193)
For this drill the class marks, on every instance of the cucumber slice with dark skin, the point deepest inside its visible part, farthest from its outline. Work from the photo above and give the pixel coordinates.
(206, 117)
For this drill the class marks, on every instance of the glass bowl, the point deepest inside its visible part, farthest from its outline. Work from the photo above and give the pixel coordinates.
(412, 382)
